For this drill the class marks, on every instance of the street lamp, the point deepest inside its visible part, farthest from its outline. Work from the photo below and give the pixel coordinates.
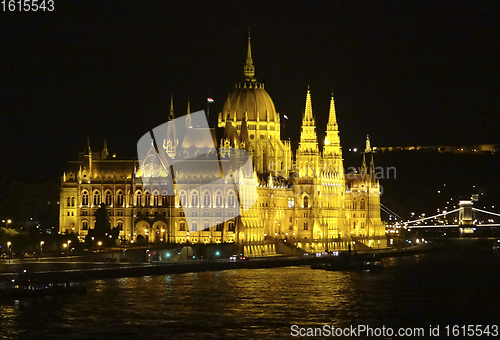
(9, 246)
(99, 244)
(41, 247)
(69, 246)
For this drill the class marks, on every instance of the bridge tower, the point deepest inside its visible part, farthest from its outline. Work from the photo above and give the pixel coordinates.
(465, 213)
(465, 217)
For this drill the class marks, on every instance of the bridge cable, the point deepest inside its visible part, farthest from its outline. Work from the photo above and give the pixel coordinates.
(486, 212)
(442, 214)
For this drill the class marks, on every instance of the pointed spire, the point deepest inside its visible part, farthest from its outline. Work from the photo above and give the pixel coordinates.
(249, 69)
(228, 113)
(244, 131)
(308, 137)
(363, 167)
(89, 149)
(171, 115)
(368, 147)
(105, 152)
(332, 120)
(189, 123)
(308, 114)
(372, 169)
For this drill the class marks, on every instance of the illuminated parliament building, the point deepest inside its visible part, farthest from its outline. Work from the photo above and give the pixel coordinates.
(304, 198)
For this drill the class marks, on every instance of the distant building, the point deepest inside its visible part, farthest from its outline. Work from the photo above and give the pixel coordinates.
(305, 199)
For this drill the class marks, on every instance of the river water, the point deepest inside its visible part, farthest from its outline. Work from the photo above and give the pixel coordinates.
(459, 287)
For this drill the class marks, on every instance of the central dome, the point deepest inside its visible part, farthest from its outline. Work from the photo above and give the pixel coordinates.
(249, 100)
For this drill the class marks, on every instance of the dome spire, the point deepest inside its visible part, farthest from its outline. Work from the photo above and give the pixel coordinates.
(171, 114)
(189, 123)
(249, 69)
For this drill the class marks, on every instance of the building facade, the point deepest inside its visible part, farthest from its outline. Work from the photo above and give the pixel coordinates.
(303, 198)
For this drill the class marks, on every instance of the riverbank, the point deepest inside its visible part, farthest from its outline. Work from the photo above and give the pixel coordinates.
(85, 271)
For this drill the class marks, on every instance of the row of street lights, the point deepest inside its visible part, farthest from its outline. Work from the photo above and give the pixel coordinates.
(9, 246)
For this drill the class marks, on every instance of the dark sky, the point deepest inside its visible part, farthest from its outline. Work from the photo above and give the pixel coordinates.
(423, 72)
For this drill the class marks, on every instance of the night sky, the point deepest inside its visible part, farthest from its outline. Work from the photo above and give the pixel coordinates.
(421, 73)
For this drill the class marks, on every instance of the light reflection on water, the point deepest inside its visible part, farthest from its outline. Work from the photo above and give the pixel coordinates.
(413, 291)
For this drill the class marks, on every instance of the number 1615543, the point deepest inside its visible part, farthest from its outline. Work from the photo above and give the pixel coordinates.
(27, 5)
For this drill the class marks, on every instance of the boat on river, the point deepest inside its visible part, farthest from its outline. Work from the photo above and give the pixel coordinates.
(347, 262)
(26, 285)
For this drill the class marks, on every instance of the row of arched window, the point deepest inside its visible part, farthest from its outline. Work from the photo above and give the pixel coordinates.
(362, 205)
(70, 201)
(207, 199)
(150, 199)
(231, 227)
(155, 199)
(107, 199)
(85, 225)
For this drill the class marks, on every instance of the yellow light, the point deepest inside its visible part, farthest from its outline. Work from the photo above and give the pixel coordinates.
(326, 141)
(8, 244)
(65, 245)
(99, 243)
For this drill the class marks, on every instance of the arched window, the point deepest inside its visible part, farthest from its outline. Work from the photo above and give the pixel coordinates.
(155, 200)
(182, 198)
(218, 226)
(109, 199)
(147, 199)
(206, 199)
(85, 225)
(97, 198)
(230, 199)
(138, 198)
(206, 225)
(164, 200)
(72, 201)
(194, 199)
(85, 198)
(231, 226)
(68, 203)
(362, 205)
(306, 201)
(147, 170)
(218, 199)
(182, 226)
(156, 171)
(120, 225)
(194, 226)
(119, 199)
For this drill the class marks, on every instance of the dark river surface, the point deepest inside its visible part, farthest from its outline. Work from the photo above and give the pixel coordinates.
(459, 287)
